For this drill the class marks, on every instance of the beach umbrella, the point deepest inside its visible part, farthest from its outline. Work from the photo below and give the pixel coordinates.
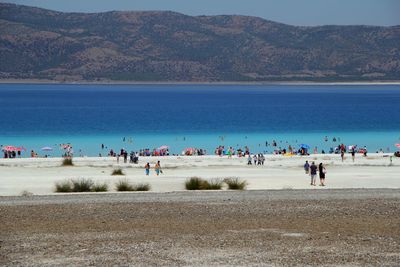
(163, 147)
(304, 146)
(397, 145)
(47, 148)
(11, 148)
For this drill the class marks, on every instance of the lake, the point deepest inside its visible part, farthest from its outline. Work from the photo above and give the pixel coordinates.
(203, 116)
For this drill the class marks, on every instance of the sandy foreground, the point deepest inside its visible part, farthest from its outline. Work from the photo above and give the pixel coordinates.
(38, 175)
(348, 223)
(346, 227)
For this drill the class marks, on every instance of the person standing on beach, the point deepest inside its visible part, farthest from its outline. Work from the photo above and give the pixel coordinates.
(322, 172)
(147, 168)
(307, 167)
(249, 160)
(353, 154)
(158, 168)
(313, 169)
(125, 156)
(255, 159)
(342, 154)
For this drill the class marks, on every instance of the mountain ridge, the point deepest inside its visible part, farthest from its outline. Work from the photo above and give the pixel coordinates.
(167, 46)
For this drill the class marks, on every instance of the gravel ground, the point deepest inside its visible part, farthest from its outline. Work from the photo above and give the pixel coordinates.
(251, 228)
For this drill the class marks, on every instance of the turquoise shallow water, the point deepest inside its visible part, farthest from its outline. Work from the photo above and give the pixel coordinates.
(182, 116)
(91, 145)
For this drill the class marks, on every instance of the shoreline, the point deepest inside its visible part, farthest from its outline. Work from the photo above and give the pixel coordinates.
(266, 83)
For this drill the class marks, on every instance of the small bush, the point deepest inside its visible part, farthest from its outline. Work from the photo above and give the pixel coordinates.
(117, 172)
(235, 183)
(100, 188)
(194, 183)
(64, 187)
(82, 185)
(142, 187)
(67, 162)
(214, 184)
(124, 185)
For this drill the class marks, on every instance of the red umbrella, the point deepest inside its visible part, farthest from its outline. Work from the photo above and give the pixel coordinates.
(11, 148)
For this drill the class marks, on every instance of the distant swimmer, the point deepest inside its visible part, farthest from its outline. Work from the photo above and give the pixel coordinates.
(326, 138)
(334, 139)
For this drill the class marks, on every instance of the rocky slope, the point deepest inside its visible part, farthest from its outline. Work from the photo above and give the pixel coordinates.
(166, 46)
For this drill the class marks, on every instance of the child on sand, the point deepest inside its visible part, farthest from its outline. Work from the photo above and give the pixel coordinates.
(307, 167)
(249, 160)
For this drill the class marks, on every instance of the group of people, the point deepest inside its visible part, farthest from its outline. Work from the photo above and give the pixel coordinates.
(133, 156)
(222, 151)
(313, 169)
(258, 159)
(11, 154)
(194, 152)
(157, 168)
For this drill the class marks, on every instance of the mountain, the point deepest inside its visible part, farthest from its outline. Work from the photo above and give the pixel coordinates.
(166, 46)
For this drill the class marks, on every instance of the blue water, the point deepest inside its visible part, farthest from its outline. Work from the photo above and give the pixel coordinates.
(198, 116)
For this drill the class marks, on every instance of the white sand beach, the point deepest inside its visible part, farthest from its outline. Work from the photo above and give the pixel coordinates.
(39, 175)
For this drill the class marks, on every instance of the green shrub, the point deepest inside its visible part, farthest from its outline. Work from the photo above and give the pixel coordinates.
(67, 162)
(100, 188)
(117, 172)
(235, 183)
(194, 183)
(63, 187)
(124, 185)
(142, 187)
(82, 185)
(214, 184)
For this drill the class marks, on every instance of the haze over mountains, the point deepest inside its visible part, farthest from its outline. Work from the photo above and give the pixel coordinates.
(166, 46)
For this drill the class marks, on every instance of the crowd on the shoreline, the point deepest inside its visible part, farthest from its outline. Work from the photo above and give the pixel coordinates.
(275, 147)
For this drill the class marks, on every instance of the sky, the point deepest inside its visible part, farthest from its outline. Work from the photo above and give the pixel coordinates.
(294, 12)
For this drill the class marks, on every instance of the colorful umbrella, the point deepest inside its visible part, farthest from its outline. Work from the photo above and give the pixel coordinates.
(397, 145)
(47, 148)
(304, 146)
(13, 148)
(163, 147)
